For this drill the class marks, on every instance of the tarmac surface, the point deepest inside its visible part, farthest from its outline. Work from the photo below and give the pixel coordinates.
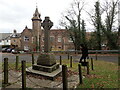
(28, 57)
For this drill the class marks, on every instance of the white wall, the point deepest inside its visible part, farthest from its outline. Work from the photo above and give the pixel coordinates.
(5, 42)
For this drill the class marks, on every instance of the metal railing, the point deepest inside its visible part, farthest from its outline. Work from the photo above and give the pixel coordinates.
(90, 51)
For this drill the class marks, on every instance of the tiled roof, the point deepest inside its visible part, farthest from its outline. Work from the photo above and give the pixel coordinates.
(15, 35)
(4, 35)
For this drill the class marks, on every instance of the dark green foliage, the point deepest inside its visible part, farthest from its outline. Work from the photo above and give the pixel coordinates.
(77, 33)
(98, 25)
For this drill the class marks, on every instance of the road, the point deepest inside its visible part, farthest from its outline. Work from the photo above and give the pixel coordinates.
(28, 58)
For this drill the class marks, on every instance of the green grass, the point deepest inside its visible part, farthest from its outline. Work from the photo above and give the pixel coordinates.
(104, 75)
(12, 66)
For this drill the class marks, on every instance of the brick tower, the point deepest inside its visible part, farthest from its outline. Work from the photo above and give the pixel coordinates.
(36, 29)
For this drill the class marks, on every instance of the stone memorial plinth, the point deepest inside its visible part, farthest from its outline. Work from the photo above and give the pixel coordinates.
(46, 62)
(46, 59)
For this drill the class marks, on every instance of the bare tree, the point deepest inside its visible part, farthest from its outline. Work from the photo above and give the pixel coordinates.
(72, 22)
(110, 10)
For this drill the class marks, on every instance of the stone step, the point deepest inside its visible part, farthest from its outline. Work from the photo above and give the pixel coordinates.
(50, 76)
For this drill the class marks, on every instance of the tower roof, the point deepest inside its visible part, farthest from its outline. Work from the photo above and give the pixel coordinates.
(36, 15)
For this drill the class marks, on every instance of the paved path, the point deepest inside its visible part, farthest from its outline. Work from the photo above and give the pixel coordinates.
(15, 79)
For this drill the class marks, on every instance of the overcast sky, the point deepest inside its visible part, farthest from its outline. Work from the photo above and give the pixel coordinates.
(16, 14)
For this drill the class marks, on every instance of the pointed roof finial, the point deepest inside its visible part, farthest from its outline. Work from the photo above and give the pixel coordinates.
(26, 27)
(36, 11)
(14, 31)
(36, 15)
(36, 4)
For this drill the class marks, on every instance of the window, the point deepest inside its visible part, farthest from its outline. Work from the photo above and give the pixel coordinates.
(70, 40)
(26, 48)
(52, 39)
(59, 39)
(59, 47)
(26, 38)
(43, 39)
(32, 39)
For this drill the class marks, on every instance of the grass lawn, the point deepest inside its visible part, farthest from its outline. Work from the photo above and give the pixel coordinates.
(104, 75)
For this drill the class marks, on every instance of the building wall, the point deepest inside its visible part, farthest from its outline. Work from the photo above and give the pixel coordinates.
(26, 40)
(5, 42)
(16, 42)
(58, 39)
(5, 39)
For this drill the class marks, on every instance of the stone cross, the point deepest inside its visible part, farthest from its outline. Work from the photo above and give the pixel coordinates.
(47, 24)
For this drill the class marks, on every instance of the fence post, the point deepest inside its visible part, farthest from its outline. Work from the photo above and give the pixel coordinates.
(5, 70)
(119, 58)
(80, 74)
(68, 55)
(71, 61)
(17, 62)
(88, 68)
(92, 63)
(23, 75)
(119, 66)
(96, 56)
(64, 77)
(75, 51)
(60, 60)
(32, 58)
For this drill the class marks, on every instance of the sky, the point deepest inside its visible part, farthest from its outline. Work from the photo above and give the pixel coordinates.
(16, 14)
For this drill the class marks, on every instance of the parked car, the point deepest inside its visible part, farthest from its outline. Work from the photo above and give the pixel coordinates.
(21, 52)
(14, 51)
(9, 50)
(4, 49)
